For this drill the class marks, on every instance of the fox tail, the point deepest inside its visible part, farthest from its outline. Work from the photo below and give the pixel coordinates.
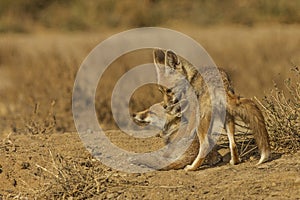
(249, 112)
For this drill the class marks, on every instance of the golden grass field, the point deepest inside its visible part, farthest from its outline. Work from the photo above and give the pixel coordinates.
(42, 45)
(256, 58)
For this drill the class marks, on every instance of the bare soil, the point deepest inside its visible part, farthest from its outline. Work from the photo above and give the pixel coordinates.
(29, 167)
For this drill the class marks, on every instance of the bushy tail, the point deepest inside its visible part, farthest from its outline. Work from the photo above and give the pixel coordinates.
(249, 112)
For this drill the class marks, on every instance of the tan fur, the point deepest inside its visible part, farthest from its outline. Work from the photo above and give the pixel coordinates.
(248, 111)
(242, 107)
(170, 134)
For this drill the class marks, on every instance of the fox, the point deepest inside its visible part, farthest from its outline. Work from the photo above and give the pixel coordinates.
(167, 116)
(169, 119)
(236, 106)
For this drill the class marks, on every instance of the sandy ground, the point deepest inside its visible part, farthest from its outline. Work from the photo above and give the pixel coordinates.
(28, 166)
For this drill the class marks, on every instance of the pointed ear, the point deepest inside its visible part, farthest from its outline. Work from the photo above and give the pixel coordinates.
(172, 59)
(160, 73)
(182, 106)
(159, 62)
(159, 56)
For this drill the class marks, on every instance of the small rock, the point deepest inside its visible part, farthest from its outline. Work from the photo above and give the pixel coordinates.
(262, 166)
(224, 152)
(25, 165)
(14, 182)
(297, 181)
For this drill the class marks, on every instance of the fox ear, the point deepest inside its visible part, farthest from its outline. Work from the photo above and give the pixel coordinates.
(159, 56)
(159, 62)
(172, 59)
(183, 105)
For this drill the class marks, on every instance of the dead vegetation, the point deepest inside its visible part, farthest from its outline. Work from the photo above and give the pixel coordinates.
(27, 16)
(80, 179)
(40, 123)
(282, 109)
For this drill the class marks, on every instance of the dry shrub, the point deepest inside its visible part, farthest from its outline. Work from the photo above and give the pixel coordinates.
(41, 122)
(282, 109)
(80, 179)
(73, 179)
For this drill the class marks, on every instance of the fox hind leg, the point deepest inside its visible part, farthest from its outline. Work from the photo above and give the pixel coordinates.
(230, 129)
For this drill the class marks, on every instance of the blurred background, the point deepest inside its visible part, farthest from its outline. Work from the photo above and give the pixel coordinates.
(76, 15)
(43, 43)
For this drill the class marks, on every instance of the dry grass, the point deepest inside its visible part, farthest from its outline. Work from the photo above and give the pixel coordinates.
(60, 176)
(29, 15)
(80, 179)
(41, 70)
(282, 109)
(38, 122)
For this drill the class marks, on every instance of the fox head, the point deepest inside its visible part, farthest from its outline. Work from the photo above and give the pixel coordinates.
(168, 119)
(154, 116)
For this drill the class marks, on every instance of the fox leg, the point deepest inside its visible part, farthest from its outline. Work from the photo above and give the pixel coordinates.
(204, 145)
(230, 129)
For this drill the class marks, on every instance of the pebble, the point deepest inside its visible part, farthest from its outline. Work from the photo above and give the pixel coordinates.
(110, 196)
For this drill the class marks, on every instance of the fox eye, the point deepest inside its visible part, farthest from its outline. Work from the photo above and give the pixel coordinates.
(151, 112)
(168, 90)
(165, 106)
(176, 65)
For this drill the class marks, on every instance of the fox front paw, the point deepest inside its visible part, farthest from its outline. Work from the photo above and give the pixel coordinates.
(189, 168)
(235, 161)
